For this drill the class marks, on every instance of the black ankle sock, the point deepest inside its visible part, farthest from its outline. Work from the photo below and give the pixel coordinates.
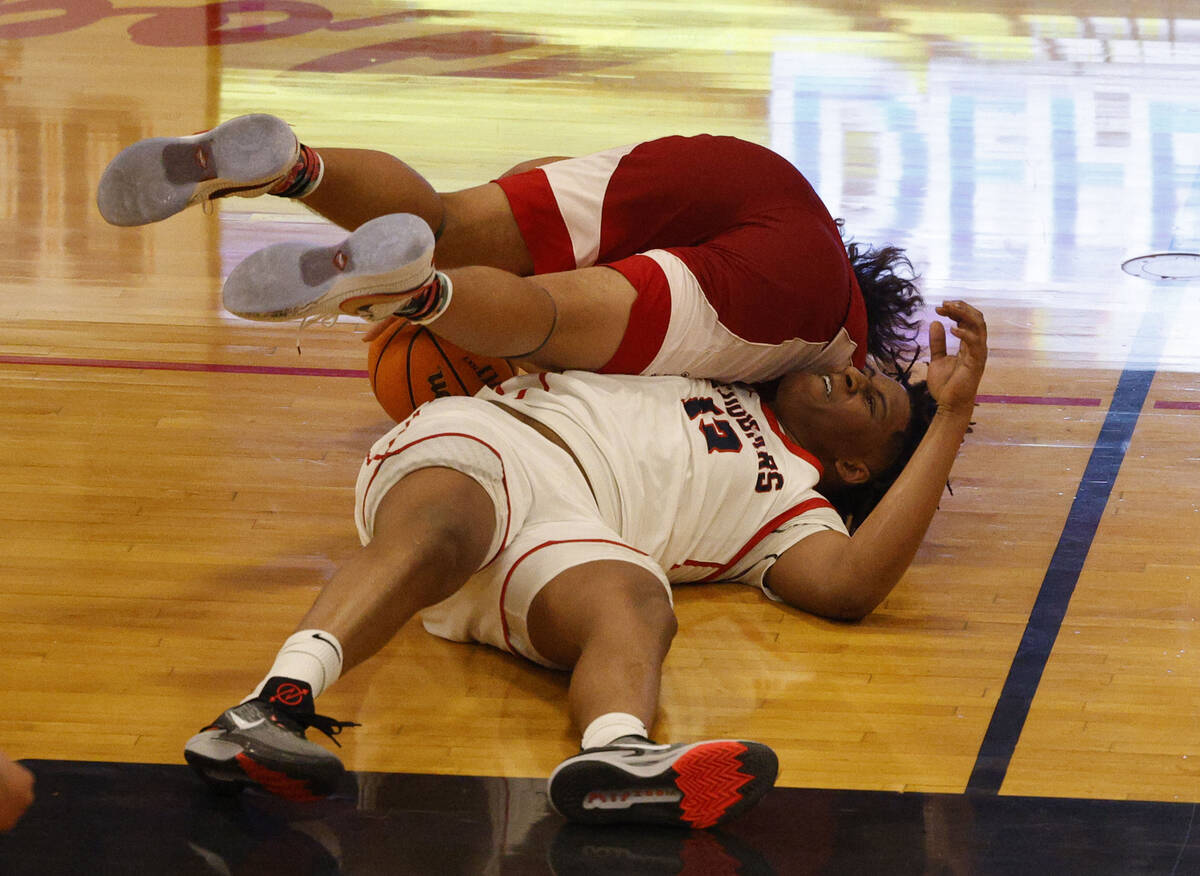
(288, 693)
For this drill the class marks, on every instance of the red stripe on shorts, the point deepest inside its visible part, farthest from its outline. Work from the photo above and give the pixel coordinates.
(648, 319)
(539, 220)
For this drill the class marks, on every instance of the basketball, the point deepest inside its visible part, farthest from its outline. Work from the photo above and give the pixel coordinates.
(408, 365)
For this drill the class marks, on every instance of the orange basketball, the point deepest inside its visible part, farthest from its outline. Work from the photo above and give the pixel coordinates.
(408, 366)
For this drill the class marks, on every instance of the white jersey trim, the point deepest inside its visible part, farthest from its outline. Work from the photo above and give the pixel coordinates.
(579, 186)
(696, 339)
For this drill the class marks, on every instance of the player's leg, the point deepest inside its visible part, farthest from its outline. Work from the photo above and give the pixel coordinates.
(473, 226)
(430, 533)
(259, 154)
(570, 319)
(613, 623)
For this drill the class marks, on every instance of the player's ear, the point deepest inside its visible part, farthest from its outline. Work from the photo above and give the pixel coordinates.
(852, 471)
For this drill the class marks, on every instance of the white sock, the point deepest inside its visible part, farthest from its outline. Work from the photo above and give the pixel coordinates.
(611, 726)
(311, 656)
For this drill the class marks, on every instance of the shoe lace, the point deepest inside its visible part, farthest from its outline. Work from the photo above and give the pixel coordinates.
(331, 727)
(325, 320)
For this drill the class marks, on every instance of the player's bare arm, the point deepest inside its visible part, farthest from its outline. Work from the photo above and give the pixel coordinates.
(833, 575)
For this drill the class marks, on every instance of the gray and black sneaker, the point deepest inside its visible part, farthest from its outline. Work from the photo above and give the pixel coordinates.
(636, 781)
(159, 177)
(260, 743)
(369, 274)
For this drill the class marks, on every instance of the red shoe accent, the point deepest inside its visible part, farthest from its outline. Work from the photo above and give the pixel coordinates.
(277, 783)
(289, 694)
(709, 777)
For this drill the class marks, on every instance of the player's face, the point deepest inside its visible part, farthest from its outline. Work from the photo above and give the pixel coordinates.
(850, 413)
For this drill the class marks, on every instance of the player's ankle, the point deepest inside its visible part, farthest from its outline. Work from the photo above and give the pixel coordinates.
(303, 177)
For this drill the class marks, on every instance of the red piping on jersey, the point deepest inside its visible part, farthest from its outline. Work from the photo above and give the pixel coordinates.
(791, 445)
(534, 549)
(803, 508)
(378, 460)
(539, 220)
(648, 318)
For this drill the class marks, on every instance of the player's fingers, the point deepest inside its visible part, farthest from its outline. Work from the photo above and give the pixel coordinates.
(964, 314)
(972, 351)
(937, 341)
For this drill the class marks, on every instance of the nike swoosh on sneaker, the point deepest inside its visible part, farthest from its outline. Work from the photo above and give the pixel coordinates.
(246, 725)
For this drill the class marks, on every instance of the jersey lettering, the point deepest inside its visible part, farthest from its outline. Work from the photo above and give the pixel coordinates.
(721, 437)
(718, 434)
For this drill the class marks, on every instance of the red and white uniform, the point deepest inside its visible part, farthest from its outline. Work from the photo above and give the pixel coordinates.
(740, 270)
(692, 480)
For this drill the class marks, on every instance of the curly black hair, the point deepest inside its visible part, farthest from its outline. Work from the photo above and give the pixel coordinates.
(889, 289)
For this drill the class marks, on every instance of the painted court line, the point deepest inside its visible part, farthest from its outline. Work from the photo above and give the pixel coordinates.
(209, 367)
(1056, 400)
(1012, 708)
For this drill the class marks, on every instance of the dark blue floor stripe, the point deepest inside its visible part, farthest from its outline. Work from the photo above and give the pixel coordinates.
(1008, 719)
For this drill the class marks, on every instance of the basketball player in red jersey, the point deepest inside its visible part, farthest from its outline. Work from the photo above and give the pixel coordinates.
(549, 519)
(704, 256)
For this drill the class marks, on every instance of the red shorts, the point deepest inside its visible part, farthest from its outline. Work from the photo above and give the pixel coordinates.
(740, 270)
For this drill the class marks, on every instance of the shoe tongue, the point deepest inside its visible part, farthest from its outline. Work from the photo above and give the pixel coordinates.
(288, 693)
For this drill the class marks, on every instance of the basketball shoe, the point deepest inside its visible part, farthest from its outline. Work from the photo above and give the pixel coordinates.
(158, 177)
(369, 274)
(635, 781)
(262, 743)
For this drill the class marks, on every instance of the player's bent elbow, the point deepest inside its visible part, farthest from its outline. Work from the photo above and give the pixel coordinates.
(848, 609)
(840, 601)
(852, 598)
(818, 576)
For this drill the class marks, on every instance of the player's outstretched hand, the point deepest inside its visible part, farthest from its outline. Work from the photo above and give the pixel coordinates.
(954, 380)
(16, 791)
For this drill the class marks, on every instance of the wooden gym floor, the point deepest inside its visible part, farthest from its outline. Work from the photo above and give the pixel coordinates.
(175, 485)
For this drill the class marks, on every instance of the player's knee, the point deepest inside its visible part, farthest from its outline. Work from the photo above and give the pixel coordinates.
(439, 517)
(644, 606)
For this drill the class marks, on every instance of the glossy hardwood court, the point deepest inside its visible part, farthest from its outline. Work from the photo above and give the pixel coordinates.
(176, 484)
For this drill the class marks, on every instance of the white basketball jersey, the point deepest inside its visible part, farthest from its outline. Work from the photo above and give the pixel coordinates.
(696, 474)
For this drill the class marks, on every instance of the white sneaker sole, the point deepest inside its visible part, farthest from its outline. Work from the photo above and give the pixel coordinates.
(380, 262)
(159, 177)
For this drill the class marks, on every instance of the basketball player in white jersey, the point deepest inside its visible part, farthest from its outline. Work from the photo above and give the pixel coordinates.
(549, 519)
